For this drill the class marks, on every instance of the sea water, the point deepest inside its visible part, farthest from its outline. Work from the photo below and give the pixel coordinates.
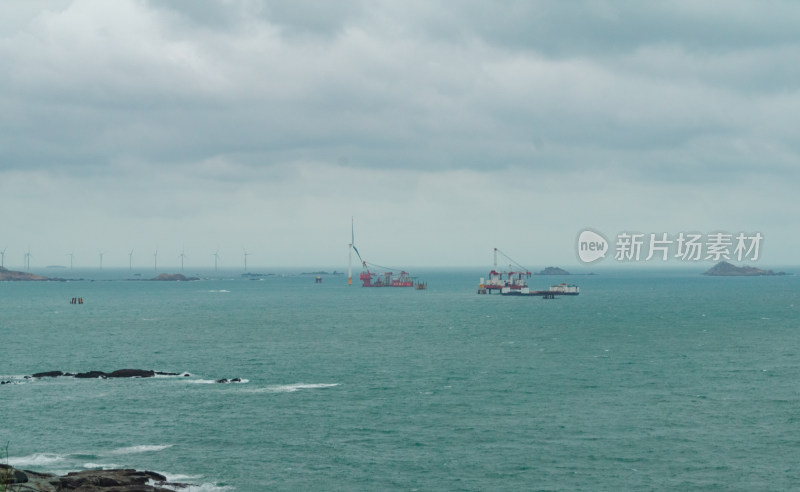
(648, 380)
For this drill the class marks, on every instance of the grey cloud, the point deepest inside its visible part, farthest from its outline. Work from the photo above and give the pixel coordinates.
(422, 85)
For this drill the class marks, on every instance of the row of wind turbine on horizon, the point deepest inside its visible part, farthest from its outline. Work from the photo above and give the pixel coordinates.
(27, 259)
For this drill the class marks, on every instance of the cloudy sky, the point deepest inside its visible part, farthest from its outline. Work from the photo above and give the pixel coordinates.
(444, 128)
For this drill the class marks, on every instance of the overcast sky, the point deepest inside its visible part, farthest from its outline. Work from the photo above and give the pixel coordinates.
(444, 128)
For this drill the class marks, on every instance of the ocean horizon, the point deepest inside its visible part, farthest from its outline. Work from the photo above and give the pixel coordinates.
(651, 378)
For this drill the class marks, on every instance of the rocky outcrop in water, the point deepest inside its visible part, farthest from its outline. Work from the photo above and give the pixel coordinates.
(119, 373)
(121, 480)
(553, 271)
(173, 277)
(226, 380)
(15, 276)
(725, 269)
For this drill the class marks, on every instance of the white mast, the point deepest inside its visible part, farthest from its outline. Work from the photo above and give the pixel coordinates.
(350, 255)
(246, 254)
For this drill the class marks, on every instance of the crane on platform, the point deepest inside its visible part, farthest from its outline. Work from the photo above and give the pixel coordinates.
(386, 279)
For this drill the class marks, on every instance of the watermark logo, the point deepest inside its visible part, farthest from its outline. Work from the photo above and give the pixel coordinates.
(684, 246)
(591, 246)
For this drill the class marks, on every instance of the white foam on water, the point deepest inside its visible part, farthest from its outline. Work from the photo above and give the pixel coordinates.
(220, 290)
(180, 478)
(181, 375)
(214, 381)
(100, 466)
(291, 388)
(38, 459)
(192, 487)
(146, 448)
(15, 379)
(205, 487)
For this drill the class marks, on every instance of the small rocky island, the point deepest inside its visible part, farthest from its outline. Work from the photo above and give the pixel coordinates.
(725, 269)
(173, 277)
(12, 275)
(553, 271)
(119, 480)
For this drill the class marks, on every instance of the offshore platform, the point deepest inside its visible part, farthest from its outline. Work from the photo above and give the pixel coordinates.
(386, 278)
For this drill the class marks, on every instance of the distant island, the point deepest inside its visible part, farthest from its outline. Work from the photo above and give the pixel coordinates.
(553, 271)
(322, 272)
(725, 269)
(173, 277)
(12, 275)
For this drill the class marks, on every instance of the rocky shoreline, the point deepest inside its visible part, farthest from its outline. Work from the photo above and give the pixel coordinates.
(118, 480)
(7, 275)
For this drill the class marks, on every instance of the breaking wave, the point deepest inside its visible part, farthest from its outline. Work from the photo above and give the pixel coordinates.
(38, 459)
(100, 466)
(291, 388)
(140, 449)
(206, 487)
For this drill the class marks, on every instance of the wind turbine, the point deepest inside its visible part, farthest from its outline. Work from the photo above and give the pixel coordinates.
(246, 254)
(101, 259)
(216, 258)
(130, 260)
(3, 258)
(28, 260)
(155, 261)
(70, 259)
(182, 255)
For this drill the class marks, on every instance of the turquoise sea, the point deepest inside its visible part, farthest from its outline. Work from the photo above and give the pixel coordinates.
(648, 380)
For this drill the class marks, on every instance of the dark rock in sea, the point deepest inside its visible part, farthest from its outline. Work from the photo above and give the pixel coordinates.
(174, 277)
(119, 373)
(119, 480)
(225, 380)
(131, 373)
(725, 269)
(553, 271)
(11, 476)
(91, 375)
(49, 374)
